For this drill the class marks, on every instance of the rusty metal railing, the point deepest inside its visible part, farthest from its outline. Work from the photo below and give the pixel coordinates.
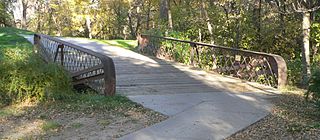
(85, 66)
(267, 69)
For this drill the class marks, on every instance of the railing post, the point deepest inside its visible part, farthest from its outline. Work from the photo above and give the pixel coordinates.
(281, 71)
(192, 54)
(61, 46)
(36, 40)
(56, 54)
(109, 77)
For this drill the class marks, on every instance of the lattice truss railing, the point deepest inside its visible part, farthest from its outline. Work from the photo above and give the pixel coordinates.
(267, 69)
(85, 66)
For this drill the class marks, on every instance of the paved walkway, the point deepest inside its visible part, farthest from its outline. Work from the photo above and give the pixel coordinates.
(200, 105)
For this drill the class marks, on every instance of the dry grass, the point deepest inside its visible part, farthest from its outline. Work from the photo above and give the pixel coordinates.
(291, 118)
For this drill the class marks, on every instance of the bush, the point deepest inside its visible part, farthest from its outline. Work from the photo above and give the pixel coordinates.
(313, 92)
(24, 75)
(294, 71)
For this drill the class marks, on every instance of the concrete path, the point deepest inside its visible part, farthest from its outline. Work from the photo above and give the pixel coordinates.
(200, 105)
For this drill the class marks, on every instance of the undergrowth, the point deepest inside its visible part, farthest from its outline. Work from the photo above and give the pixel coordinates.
(24, 75)
(313, 92)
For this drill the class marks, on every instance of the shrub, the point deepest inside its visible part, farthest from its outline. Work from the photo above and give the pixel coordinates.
(294, 71)
(24, 75)
(313, 92)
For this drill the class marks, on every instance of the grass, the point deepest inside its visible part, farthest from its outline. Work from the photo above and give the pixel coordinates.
(292, 117)
(104, 122)
(21, 75)
(32, 90)
(127, 44)
(76, 125)
(16, 31)
(50, 125)
(6, 112)
(10, 39)
(24, 75)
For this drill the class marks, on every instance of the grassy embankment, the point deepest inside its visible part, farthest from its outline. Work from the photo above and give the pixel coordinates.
(33, 92)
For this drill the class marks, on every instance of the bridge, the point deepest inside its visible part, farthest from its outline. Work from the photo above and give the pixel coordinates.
(201, 104)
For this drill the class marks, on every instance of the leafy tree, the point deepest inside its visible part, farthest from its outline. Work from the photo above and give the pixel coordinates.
(5, 15)
(305, 7)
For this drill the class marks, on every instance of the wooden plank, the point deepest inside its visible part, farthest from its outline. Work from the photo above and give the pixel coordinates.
(166, 89)
(84, 80)
(77, 73)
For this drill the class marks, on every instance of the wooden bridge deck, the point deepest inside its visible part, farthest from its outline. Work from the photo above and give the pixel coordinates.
(137, 74)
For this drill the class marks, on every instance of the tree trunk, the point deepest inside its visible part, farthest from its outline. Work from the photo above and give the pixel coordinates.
(88, 27)
(170, 22)
(165, 14)
(306, 72)
(207, 19)
(24, 14)
(282, 20)
(138, 16)
(148, 15)
(237, 43)
(132, 31)
(257, 20)
(164, 10)
(50, 21)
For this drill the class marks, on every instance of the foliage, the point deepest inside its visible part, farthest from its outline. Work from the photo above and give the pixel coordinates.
(245, 24)
(313, 92)
(5, 16)
(294, 71)
(175, 50)
(25, 75)
(315, 35)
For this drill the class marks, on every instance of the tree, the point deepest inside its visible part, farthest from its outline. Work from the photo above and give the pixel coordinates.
(207, 19)
(165, 13)
(5, 15)
(304, 7)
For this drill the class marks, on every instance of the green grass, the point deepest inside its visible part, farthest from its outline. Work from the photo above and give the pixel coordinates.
(10, 39)
(104, 122)
(50, 125)
(127, 44)
(6, 112)
(16, 31)
(92, 101)
(76, 125)
(24, 75)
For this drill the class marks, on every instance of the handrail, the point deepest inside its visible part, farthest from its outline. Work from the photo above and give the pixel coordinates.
(268, 69)
(85, 66)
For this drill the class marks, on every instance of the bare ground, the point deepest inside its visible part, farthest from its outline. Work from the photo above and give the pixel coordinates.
(60, 120)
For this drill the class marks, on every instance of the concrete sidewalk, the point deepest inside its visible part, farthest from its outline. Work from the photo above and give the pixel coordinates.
(206, 116)
(200, 105)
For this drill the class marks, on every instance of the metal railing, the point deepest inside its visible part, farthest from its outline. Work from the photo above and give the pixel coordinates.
(85, 66)
(267, 69)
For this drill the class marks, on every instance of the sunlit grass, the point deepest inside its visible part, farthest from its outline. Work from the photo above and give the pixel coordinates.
(127, 44)
(16, 31)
